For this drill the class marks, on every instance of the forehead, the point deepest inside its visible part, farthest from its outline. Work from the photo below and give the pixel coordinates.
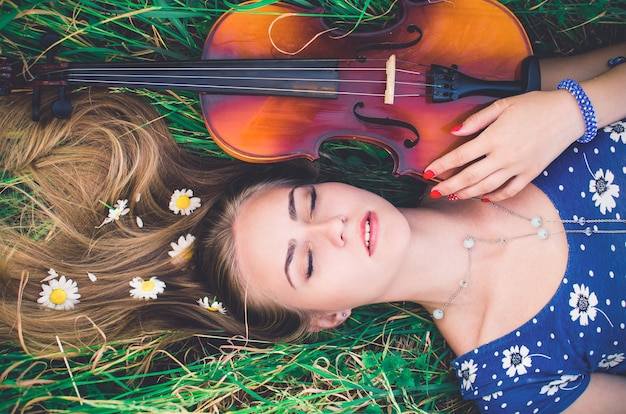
(261, 238)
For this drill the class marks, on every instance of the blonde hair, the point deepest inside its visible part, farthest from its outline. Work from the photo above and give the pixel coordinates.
(217, 259)
(57, 174)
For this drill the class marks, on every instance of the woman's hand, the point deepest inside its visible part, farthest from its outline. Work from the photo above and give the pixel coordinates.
(522, 135)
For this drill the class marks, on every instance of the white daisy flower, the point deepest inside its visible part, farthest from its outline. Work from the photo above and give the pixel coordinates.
(118, 210)
(183, 248)
(92, 277)
(184, 202)
(59, 294)
(559, 384)
(617, 131)
(604, 190)
(584, 304)
(146, 289)
(52, 274)
(516, 360)
(213, 306)
(468, 374)
(494, 396)
(611, 360)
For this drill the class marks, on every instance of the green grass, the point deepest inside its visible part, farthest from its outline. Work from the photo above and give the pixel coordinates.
(388, 358)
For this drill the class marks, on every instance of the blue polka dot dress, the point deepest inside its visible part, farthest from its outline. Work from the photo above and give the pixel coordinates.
(544, 365)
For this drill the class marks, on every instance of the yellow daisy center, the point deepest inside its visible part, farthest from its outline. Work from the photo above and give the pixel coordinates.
(187, 254)
(58, 296)
(183, 202)
(147, 286)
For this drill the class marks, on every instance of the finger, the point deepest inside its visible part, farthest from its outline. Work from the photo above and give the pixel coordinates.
(510, 189)
(459, 157)
(473, 181)
(488, 185)
(481, 119)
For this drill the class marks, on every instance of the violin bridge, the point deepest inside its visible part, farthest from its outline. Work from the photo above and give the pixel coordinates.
(390, 88)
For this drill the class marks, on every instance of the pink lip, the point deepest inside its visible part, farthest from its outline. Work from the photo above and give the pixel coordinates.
(373, 232)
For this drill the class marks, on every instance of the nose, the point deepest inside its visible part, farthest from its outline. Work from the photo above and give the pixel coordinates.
(331, 230)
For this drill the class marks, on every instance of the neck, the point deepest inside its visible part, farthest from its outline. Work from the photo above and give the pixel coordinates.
(436, 258)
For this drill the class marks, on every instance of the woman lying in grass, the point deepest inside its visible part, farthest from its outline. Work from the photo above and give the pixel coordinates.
(117, 231)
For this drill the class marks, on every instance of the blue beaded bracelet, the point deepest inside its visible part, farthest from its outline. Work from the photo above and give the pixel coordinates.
(616, 61)
(591, 124)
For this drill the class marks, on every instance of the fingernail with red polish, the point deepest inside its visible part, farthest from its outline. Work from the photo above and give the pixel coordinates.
(429, 174)
(435, 194)
(453, 197)
(485, 200)
(456, 128)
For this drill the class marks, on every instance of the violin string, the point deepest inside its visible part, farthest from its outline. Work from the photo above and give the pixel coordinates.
(75, 78)
(111, 68)
(251, 88)
(225, 69)
(78, 74)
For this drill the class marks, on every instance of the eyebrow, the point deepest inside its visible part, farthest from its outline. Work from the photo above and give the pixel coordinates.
(291, 248)
(292, 205)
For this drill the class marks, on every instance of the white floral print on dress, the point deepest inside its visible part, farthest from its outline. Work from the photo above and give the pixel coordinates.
(494, 396)
(561, 384)
(516, 360)
(584, 304)
(617, 131)
(468, 373)
(611, 361)
(604, 190)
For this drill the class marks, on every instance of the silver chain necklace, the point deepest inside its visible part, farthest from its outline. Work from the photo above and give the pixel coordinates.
(540, 232)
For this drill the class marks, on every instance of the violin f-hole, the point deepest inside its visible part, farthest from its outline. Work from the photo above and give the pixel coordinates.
(408, 143)
(412, 28)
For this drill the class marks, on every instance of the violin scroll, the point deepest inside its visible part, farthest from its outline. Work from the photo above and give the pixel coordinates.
(12, 77)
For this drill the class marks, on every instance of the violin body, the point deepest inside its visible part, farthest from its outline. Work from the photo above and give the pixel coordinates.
(481, 37)
(275, 83)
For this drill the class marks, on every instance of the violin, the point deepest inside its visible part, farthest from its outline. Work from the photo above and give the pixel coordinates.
(277, 83)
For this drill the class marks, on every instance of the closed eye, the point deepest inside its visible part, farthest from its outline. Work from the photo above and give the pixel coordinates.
(313, 200)
(309, 268)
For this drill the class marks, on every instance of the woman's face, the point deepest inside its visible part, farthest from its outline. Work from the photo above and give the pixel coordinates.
(325, 247)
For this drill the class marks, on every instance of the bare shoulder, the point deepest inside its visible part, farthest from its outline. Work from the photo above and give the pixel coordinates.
(605, 394)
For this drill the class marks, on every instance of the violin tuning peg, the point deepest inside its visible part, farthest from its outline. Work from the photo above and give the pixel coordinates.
(48, 39)
(62, 107)
(49, 46)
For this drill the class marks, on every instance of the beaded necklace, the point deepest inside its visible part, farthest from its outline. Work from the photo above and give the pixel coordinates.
(540, 232)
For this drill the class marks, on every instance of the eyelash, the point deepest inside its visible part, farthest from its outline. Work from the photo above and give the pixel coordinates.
(309, 269)
(313, 198)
